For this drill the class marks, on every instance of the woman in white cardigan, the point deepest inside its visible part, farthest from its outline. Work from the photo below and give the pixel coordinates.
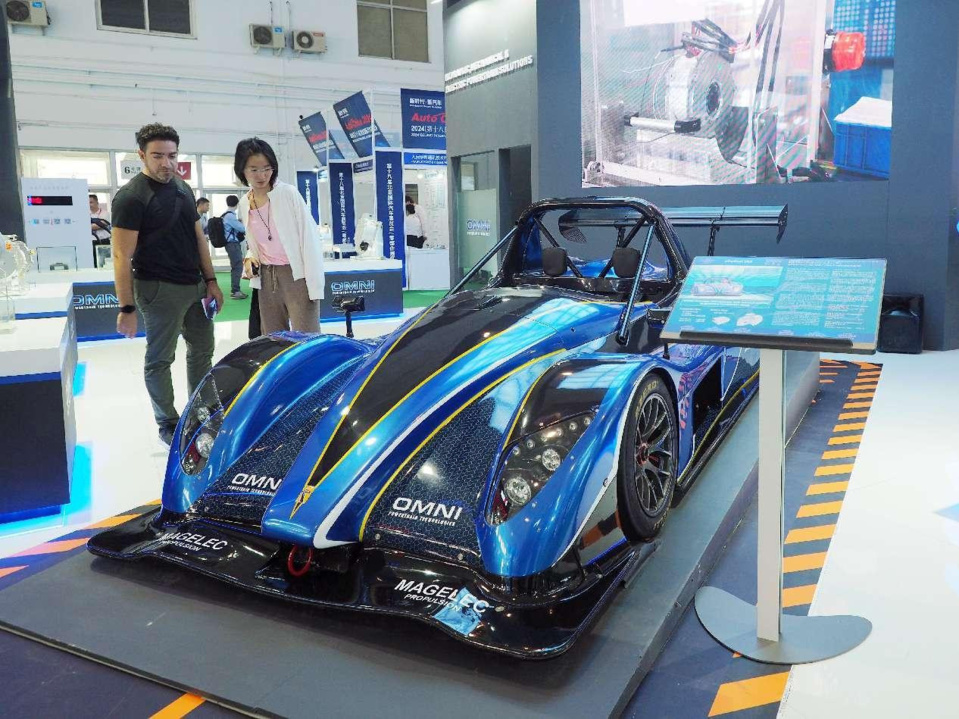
(285, 259)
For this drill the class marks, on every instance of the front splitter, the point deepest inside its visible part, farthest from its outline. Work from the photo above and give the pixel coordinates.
(448, 597)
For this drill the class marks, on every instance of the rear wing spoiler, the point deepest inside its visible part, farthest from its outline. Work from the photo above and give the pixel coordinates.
(732, 216)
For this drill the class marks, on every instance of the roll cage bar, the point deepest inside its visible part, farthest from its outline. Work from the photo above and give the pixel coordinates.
(629, 215)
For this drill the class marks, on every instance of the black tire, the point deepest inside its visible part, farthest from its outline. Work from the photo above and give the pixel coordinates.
(647, 461)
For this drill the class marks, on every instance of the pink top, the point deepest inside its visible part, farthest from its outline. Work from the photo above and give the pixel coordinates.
(270, 252)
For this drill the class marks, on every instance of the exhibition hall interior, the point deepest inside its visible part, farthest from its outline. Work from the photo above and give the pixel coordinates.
(512, 358)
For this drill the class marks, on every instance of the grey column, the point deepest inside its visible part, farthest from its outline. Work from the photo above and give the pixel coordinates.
(11, 212)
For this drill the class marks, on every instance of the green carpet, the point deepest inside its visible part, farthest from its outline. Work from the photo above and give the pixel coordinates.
(234, 310)
(421, 298)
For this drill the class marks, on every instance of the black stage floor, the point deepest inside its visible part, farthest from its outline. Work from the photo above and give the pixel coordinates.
(265, 657)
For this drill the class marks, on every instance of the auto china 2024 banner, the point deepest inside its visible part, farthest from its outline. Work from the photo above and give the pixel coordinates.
(424, 119)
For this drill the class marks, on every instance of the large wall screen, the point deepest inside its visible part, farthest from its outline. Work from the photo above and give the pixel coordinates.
(718, 92)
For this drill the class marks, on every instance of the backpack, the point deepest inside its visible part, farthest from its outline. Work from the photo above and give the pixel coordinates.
(216, 231)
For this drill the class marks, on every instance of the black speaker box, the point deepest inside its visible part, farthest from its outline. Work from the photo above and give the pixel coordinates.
(900, 324)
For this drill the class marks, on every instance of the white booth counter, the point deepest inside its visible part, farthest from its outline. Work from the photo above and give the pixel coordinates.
(355, 264)
(71, 276)
(37, 366)
(44, 300)
(35, 347)
(427, 269)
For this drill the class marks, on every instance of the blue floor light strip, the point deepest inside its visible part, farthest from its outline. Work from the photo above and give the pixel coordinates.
(80, 379)
(46, 517)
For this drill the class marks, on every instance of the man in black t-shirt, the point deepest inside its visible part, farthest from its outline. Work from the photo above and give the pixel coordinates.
(162, 264)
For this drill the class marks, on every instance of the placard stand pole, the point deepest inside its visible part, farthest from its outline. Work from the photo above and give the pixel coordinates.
(763, 632)
(772, 465)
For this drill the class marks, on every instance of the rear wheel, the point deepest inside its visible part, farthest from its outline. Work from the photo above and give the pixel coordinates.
(647, 463)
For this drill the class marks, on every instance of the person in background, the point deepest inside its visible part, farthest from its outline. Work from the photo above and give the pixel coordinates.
(162, 264)
(285, 258)
(99, 219)
(414, 228)
(420, 215)
(235, 234)
(203, 209)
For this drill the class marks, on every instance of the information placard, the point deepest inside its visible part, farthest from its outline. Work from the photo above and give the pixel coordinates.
(780, 302)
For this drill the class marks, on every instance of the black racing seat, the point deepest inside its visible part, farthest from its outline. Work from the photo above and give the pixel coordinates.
(612, 287)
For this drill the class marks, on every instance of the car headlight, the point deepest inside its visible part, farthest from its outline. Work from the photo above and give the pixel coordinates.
(201, 423)
(531, 461)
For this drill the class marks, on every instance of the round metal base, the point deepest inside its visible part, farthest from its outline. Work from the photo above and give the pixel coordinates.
(732, 622)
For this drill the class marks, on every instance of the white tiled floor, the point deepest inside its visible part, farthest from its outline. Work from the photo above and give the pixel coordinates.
(115, 428)
(894, 558)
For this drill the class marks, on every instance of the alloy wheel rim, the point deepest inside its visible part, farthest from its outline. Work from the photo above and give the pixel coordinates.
(653, 457)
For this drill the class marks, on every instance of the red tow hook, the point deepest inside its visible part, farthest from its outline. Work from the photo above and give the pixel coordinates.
(291, 562)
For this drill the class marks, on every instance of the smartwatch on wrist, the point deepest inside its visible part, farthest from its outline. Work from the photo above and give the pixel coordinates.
(127, 309)
(208, 280)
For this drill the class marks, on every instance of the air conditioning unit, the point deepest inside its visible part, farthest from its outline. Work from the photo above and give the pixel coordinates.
(269, 36)
(27, 12)
(308, 41)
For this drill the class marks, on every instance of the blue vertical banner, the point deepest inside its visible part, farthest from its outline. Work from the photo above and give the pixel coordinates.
(356, 119)
(321, 141)
(424, 119)
(390, 205)
(341, 202)
(307, 183)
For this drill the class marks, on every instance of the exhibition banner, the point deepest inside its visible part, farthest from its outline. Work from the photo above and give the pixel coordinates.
(308, 184)
(341, 202)
(424, 119)
(321, 141)
(424, 159)
(390, 205)
(356, 120)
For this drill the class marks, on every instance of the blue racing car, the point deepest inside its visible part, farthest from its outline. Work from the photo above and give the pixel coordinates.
(492, 467)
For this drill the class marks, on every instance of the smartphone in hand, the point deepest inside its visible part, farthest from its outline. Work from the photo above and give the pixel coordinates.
(210, 307)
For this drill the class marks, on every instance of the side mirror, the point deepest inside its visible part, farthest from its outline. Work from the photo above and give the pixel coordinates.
(657, 316)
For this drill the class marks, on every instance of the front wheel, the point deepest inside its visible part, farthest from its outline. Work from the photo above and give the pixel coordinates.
(647, 463)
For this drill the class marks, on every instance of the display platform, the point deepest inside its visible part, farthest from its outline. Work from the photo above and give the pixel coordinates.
(44, 301)
(38, 361)
(267, 657)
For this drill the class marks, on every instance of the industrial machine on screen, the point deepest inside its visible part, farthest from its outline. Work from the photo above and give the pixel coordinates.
(493, 467)
(712, 92)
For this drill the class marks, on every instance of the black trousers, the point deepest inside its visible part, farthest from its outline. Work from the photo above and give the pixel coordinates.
(254, 326)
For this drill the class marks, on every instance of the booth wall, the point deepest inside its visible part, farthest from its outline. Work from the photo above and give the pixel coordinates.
(78, 87)
(910, 220)
(496, 115)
